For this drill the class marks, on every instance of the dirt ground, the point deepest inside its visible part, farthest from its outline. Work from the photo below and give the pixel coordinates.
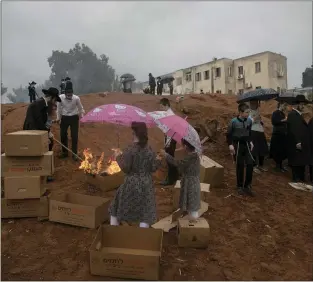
(268, 237)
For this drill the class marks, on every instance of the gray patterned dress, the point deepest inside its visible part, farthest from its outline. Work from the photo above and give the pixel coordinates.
(190, 192)
(134, 200)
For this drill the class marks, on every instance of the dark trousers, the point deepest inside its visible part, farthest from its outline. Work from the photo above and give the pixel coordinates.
(243, 159)
(32, 98)
(159, 91)
(152, 90)
(259, 160)
(171, 90)
(172, 172)
(73, 123)
(311, 173)
(298, 173)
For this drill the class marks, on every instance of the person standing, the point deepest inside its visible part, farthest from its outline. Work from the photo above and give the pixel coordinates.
(171, 87)
(69, 111)
(152, 84)
(278, 147)
(62, 86)
(310, 126)
(134, 201)
(159, 86)
(32, 91)
(240, 145)
(68, 84)
(170, 147)
(298, 137)
(260, 149)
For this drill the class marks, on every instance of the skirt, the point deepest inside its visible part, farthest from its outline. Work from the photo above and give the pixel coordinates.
(260, 148)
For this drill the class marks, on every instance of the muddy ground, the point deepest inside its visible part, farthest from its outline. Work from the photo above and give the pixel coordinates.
(268, 237)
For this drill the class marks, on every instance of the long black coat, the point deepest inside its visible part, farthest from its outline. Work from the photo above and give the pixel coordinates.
(310, 126)
(36, 116)
(298, 132)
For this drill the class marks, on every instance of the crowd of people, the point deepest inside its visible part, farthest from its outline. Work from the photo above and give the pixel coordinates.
(292, 140)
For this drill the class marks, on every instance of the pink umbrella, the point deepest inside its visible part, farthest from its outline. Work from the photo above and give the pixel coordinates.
(118, 114)
(177, 128)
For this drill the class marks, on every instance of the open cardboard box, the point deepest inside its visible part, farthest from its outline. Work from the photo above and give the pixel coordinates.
(105, 183)
(78, 209)
(126, 252)
(211, 172)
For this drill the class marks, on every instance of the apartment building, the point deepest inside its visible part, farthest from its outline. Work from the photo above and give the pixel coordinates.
(228, 76)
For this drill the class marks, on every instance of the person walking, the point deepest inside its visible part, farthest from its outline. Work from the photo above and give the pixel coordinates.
(152, 84)
(134, 201)
(278, 147)
(298, 137)
(170, 147)
(32, 92)
(69, 111)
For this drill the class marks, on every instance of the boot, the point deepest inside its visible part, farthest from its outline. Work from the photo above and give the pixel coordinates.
(240, 191)
(248, 191)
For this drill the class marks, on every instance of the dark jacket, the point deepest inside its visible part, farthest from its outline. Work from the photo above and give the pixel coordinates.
(160, 84)
(152, 81)
(239, 130)
(310, 126)
(68, 85)
(171, 148)
(31, 91)
(298, 132)
(279, 127)
(62, 86)
(36, 116)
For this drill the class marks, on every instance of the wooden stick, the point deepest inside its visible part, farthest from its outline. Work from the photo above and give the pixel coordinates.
(67, 149)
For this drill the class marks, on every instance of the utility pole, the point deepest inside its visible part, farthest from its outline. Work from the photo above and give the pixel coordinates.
(212, 75)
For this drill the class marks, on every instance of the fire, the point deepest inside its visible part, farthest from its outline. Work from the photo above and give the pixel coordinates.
(90, 165)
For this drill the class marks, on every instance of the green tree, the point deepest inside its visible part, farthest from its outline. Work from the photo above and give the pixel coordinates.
(88, 72)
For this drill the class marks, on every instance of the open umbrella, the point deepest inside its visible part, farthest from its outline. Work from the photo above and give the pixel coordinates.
(177, 128)
(292, 97)
(262, 94)
(167, 79)
(120, 114)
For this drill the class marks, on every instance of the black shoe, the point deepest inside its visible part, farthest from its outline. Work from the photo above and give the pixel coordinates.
(240, 190)
(63, 156)
(248, 191)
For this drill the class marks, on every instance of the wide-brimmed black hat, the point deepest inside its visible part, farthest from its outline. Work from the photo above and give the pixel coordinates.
(33, 82)
(301, 99)
(53, 93)
(67, 78)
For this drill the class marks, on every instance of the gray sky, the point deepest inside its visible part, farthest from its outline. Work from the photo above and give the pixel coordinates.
(157, 37)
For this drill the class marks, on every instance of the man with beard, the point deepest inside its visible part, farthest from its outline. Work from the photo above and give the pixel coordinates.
(152, 84)
(298, 140)
(69, 111)
(37, 113)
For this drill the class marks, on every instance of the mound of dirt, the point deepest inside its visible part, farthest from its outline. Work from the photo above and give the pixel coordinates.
(268, 237)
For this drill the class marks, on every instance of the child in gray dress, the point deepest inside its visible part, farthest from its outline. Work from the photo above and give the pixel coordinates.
(189, 167)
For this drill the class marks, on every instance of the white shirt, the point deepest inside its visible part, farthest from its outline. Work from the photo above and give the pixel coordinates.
(256, 121)
(70, 107)
(168, 139)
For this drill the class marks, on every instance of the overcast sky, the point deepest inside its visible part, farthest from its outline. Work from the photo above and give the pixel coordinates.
(157, 37)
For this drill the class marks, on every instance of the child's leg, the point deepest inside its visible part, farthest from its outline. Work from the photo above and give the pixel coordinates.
(114, 221)
(193, 214)
(240, 170)
(144, 225)
(249, 175)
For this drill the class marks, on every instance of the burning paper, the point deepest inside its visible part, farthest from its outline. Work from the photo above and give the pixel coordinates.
(92, 166)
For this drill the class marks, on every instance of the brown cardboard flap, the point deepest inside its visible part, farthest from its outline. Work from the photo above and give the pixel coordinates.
(167, 223)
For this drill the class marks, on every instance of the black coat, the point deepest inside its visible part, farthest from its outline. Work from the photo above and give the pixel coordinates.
(279, 127)
(152, 81)
(310, 126)
(36, 116)
(298, 132)
(278, 150)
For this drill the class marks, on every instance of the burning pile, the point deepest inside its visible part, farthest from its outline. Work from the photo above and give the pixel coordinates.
(91, 166)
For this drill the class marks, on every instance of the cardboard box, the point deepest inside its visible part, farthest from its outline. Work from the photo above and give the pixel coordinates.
(106, 183)
(126, 252)
(78, 209)
(27, 166)
(205, 190)
(28, 187)
(193, 234)
(211, 172)
(26, 143)
(25, 208)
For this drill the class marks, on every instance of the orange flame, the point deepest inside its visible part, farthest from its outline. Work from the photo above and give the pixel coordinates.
(91, 166)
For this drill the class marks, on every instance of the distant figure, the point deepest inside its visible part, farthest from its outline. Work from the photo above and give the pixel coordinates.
(159, 86)
(171, 87)
(32, 91)
(62, 86)
(152, 84)
(127, 86)
(201, 91)
(68, 84)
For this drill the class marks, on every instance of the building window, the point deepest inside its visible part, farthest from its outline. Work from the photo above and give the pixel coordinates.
(188, 76)
(240, 70)
(179, 81)
(198, 76)
(258, 87)
(219, 91)
(207, 75)
(240, 92)
(257, 67)
(230, 92)
(230, 71)
(218, 72)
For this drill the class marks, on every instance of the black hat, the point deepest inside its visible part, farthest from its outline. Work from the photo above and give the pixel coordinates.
(33, 82)
(69, 91)
(150, 74)
(67, 78)
(301, 99)
(52, 92)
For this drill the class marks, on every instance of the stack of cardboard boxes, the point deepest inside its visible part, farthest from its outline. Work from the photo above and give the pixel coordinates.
(25, 166)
